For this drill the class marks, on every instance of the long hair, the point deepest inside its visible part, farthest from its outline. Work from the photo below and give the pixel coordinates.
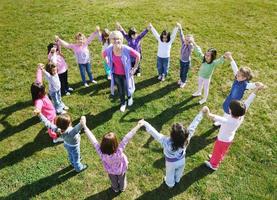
(109, 144)
(167, 34)
(213, 55)
(37, 91)
(132, 31)
(105, 33)
(179, 136)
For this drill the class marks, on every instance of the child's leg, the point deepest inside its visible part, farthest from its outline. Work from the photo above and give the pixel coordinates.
(119, 81)
(159, 65)
(122, 181)
(55, 97)
(62, 81)
(169, 174)
(114, 181)
(200, 86)
(179, 171)
(184, 68)
(206, 88)
(70, 155)
(82, 72)
(75, 151)
(88, 69)
(166, 62)
(220, 149)
(66, 81)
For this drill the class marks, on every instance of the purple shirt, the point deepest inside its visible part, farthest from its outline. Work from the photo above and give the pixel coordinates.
(185, 49)
(135, 43)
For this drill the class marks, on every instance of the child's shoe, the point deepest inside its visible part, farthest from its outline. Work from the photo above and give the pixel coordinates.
(109, 77)
(179, 82)
(130, 101)
(70, 89)
(160, 77)
(123, 107)
(94, 81)
(115, 190)
(67, 93)
(196, 94)
(66, 108)
(163, 77)
(182, 85)
(138, 74)
(217, 124)
(86, 85)
(59, 139)
(202, 101)
(85, 166)
(209, 165)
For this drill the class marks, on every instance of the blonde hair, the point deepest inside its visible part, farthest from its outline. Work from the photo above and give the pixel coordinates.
(116, 34)
(78, 35)
(246, 72)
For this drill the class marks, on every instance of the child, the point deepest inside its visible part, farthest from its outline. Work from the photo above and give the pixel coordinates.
(55, 56)
(175, 147)
(71, 136)
(165, 41)
(229, 125)
(240, 84)
(209, 62)
(104, 38)
(111, 153)
(54, 87)
(81, 52)
(186, 50)
(43, 103)
(134, 40)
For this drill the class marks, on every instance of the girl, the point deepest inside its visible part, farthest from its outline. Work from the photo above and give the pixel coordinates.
(240, 84)
(43, 103)
(104, 38)
(111, 153)
(165, 41)
(186, 50)
(55, 56)
(63, 127)
(118, 57)
(175, 147)
(54, 87)
(81, 52)
(134, 40)
(209, 62)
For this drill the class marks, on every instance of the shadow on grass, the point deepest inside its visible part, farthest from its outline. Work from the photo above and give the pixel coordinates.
(164, 193)
(32, 190)
(103, 195)
(41, 141)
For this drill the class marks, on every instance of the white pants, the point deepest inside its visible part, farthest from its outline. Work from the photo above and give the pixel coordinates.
(174, 172)
(206, 83)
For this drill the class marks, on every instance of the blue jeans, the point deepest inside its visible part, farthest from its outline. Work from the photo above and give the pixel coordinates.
(74, 156)
(184, 68)
(121, 83)
(174, 172)
(83, 68)
(57, 100)
(163, 65)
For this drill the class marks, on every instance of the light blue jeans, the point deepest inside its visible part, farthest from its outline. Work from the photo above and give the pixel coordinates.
(163, 65)
(57, 100)
(174, 172)
(74, 156)
(83, 68)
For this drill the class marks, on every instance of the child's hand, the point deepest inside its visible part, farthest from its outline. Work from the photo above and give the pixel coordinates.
(179, 25)
(118, 26)
(228, 55)
(36, 111)
(141, 122)
(83, 121)
(259, 86)
(150, 25)
(41, 66)
(57, 38)
(206, 110)
(97, 28)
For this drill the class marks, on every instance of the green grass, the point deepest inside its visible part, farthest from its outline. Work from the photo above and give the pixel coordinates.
(32, 167)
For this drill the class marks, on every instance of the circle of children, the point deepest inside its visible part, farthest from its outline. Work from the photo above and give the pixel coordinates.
(121, 63)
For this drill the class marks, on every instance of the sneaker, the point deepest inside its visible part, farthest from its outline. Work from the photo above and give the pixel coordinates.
(123, 108)
(130, 101)
(115, 190)
(163, 77)
(196, 94)
(210, 156)
(160, 77)
(66, 108)
(94, 81)
(179, 82)
(109, 77)
(202, 101)
(166, 184)
(61, 113)
(182, 85)
(209, 165)
(57, 140)
(86, 85)
(70, 89)
(138, 74)
(85, 166)
(67, 93)
(217, 124)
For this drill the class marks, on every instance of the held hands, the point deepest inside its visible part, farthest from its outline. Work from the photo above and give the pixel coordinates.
(57, 38)
(228, 55)
(141, 123)
(83, 121)
(36, 111)
(150, 26)
(259, 86)
(118, 26)
(206, 110)
(41, 66)
(179, 25)
(97, 29)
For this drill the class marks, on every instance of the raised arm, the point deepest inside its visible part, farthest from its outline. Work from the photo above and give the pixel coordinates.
(92, 36)
(62, 42)
(155, 134)
(155, 33)
(214, 117)
(198, 51)
(46, 122)
(128, 137)
(181, 33)
(233, 65)
(142, 34)
(174, 33)
(196, 121)
(39, 73)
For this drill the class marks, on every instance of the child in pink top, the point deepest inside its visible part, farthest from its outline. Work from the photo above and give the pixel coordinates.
(43, 103)
(111, 153)
(82, 54)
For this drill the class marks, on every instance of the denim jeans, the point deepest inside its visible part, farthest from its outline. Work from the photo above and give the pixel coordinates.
(133, 62)
(119, 182)
(184, 68)
(163, 65)
(121, 83)
(83, 68)
(174, 172)
(57, 100)
(74, 156)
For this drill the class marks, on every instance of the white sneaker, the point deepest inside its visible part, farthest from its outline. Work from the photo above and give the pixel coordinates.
(138, 74)
(179, 82)
(130, 101)
(57, 140)
(70, 89)
(109, 77)
(94, 81)
(123, 108)
(66, 108)
(217, 124)
(160, 77)
(182, 85)
(86, 85)
(209, 165)
(196, 94)
(202, 101)
(67, 93)
(163, 77)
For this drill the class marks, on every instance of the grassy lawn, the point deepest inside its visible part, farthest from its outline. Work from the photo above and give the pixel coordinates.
(32, 167)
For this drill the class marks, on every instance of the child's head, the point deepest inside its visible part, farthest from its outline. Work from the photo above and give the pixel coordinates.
(165, 36)
(52, 47)
(51, 68)
(63, 121)
(210, 55)
(37, 91)
(237, 108)
(244, 73)
(80, 38)
(109, 144)
(132, 33)
(188, 38)
(105, 35)
(178, 136)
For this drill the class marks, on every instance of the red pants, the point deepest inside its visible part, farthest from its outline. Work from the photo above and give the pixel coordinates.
(219, 151)
(51, 133)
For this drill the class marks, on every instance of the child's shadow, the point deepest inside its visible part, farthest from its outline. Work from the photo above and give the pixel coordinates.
(103, 195)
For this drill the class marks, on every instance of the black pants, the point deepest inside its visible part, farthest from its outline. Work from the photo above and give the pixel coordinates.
(64, 83)
(121, 84)
(133, 61)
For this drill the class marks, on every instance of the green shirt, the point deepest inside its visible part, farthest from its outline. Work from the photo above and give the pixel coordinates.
(206, 70)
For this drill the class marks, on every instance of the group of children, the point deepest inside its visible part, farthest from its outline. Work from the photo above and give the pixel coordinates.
(110, 150)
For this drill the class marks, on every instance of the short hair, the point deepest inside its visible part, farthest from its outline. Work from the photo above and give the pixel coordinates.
(78, 35)
(63, 121)
(37, 91)
(109, 144)
(213, 55)
(179, 136)
(116, 34)
(49, 67)
(132, 31)
(246, 72)
(237, 108)
(167, 34)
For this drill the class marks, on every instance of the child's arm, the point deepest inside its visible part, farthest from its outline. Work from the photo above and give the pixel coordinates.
(93, 35)
(214, 117)
(252, 96)
(46, 122)
(155, 33)
(198, 51)
(47, 75)
(129, 136)
(192, 127)
(181, 33)
(121, 29)
(39, 73)
(136, 55)
(155, 134)
(174, 33)
(62, 42)
(142, 34)
(233, 65)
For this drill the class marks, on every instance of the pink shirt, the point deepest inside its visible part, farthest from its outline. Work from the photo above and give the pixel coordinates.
(59, 61)
(46, 107)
